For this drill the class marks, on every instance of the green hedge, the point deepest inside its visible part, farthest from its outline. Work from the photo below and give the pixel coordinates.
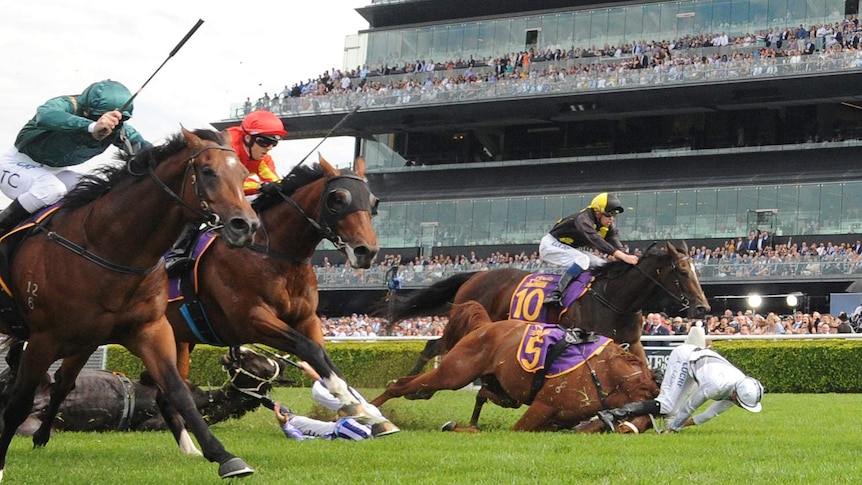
(795, 366)
(784, 366)
(363, 364)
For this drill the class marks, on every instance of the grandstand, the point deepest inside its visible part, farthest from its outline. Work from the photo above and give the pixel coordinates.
(711, 119)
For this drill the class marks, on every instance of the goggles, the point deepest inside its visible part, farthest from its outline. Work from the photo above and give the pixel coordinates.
(265, 141)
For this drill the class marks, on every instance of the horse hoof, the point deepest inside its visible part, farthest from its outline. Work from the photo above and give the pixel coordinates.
(449, 426)
(234, 468)
(383, 429)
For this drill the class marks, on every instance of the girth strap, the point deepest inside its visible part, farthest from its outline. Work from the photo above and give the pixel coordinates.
(193, 311)
(128, 402)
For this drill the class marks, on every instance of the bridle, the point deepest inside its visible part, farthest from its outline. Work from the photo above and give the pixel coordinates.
(192, 173)
(680, 298)
(329, 216)
(236, 369)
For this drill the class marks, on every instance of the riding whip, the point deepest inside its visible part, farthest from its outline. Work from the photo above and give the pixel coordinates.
(191, 32)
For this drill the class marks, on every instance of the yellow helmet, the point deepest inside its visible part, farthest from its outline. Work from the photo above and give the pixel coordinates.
(607, 203)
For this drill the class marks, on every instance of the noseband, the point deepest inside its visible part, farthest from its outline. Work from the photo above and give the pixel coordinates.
(330, 216)
(236, 369)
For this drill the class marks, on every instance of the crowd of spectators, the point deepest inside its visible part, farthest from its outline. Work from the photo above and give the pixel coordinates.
(675, 60)
(751, 323)
(361, 325)
(755, 257)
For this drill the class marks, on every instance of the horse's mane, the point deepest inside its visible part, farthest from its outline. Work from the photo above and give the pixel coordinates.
(298, 177)
(94, 184)
(463, 319)
(614, 269)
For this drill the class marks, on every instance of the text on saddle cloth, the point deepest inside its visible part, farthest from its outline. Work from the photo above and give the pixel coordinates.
(526, 303)
(539, 338)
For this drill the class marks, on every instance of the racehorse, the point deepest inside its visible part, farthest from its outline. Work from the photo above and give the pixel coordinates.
(91, 273)
(109, 401)
(267, 293)
(611, 305)
(479, 347)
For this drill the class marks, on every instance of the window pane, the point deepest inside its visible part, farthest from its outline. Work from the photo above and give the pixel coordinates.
(706, 214)
(408, 44)
(448, 231)
(726, 211)
(517, 219)
(852, 201)
(787, 203)
(634, 24)
(582, 29)
(499, 220)
(665, 215)
(464, 222)
(809, 209)
(599, 28)
(481, 222)
(830, 209)
(686, 205)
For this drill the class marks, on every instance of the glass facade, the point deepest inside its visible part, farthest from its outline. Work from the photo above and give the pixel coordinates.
(599, 27)
(826, 208)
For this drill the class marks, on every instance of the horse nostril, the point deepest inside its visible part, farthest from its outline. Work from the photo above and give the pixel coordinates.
(242, 226)
(361, 251)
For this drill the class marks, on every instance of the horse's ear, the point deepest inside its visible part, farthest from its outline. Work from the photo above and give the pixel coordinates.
(328, 170)
(228, 140)
(359, 167)
(192, 140)
(671, 249)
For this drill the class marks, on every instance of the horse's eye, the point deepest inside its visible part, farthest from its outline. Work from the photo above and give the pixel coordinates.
(338, 200)
(375, 202)
(207, 171)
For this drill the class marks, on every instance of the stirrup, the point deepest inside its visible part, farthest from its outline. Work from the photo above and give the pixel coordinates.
(176, 266)
(553, 300)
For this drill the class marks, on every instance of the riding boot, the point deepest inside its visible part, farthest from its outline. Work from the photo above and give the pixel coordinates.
(555, 297)
(11, 216)
(178, 258)
(632, 409)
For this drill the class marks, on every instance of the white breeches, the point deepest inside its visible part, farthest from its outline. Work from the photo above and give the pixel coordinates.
(33, 184)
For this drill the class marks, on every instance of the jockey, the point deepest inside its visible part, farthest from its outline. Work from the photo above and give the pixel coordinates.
(709, 375)
(259, 132)
(592, 227)
(66, 131)
(302, 428)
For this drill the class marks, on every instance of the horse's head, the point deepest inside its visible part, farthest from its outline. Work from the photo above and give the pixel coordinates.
(346, 208)
(676, 273)
(250, 372)
(212, 188)
(336, 204)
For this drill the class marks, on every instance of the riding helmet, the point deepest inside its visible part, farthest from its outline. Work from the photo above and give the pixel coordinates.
(607, 203)
(104, 96)
(749, 391)
(262, 122)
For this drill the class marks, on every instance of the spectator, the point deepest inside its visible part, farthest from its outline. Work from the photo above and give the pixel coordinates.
(843, 324)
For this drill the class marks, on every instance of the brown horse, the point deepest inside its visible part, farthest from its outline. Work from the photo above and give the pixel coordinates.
(105, 401)
(267, 293)
(482, 348)
(611, 307)
(92, 273)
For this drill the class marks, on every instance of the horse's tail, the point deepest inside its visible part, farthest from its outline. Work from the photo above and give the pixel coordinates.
(433, 300)
(463, 319)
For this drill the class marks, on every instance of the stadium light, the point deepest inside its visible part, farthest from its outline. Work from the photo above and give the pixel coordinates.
(754, 300)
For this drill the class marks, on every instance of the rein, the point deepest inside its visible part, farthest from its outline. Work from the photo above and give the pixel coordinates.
(682, 299)
(210, 218)
(323, 228)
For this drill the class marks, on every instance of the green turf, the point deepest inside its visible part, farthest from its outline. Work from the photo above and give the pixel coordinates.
(798, 438)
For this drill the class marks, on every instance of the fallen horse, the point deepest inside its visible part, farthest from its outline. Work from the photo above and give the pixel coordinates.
(108, 401)
(510, 358)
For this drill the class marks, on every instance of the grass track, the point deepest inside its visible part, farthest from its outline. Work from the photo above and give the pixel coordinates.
(798, 438)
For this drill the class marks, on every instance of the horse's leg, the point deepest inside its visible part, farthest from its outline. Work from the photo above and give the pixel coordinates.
(64, 382)
(537, 417)
(18, 400)
(461, 366)
(155, 346)
(177, 426)
(431, 350)
(481, 399)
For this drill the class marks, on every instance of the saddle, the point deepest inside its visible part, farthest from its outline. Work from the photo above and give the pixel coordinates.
(182, 285)
(557, 341)
(527, 305)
